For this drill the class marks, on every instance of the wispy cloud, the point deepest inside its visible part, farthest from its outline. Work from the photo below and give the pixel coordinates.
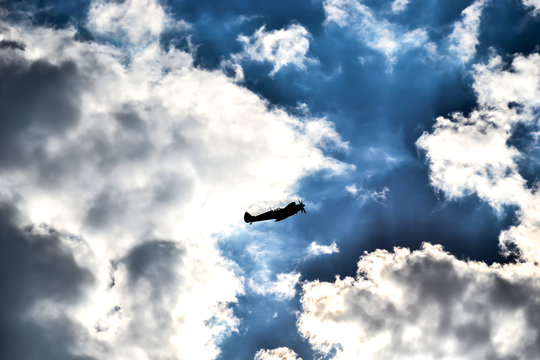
(283, 288)
(535, 4)
(364, 195)
(388, 38)
(281, 353)
(399, 5)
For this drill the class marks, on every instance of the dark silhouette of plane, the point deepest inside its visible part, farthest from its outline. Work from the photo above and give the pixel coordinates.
(278, 214)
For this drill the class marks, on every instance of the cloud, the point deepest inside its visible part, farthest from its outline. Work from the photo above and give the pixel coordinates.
(464, 37)
(281, 353)
(116, 19)
(29, 110)
(283, 288)
(388, 38)
(481, 160)
(315, 249)
(535, 4)
(365, 195)
(283, 47)
(10, 44)
(424, 304)
(399, 5)
(41, 284)
(147, 159)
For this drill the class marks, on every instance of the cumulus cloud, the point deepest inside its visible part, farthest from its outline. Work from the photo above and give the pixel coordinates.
(117, 19)
(41, 284)
(482, 161)
(281, 353)
(132, 149)
(379, 34)
(424, 304)
(464, 37)
(282, 47)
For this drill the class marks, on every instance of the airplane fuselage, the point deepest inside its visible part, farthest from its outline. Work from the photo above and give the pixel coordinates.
(277, 214)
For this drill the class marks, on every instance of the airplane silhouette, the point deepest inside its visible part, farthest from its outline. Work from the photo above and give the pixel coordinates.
(278, 214)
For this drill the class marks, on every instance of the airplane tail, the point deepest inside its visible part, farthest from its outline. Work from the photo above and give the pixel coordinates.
(248, 217)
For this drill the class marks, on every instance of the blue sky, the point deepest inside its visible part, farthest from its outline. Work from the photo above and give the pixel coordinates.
(136, 133)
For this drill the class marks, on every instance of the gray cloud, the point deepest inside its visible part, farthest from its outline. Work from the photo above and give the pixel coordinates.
(130, 119)
(37, 100)
(106, 209)
(153, 271)
(155, 262)
(12, 44)
(35, 267)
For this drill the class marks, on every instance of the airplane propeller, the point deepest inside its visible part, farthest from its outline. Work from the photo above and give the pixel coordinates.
(302, 206)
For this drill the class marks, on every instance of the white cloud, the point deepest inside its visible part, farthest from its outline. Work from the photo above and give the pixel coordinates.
(154, 149)
(481, 161)
(464, 37)
(283, 288)
(535, 4)
(315, 249)
(282, 47)
(424, 304)
(281, 353)
(117, 19)
(399, 5)
(379, 34)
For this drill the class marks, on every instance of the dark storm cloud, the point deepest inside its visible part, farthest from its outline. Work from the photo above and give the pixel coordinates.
(37, 100)
(36, 267)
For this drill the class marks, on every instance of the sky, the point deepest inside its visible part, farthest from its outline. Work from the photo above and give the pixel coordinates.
(134, 134)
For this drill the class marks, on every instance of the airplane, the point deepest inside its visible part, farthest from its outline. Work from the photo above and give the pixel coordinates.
(278, 214)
